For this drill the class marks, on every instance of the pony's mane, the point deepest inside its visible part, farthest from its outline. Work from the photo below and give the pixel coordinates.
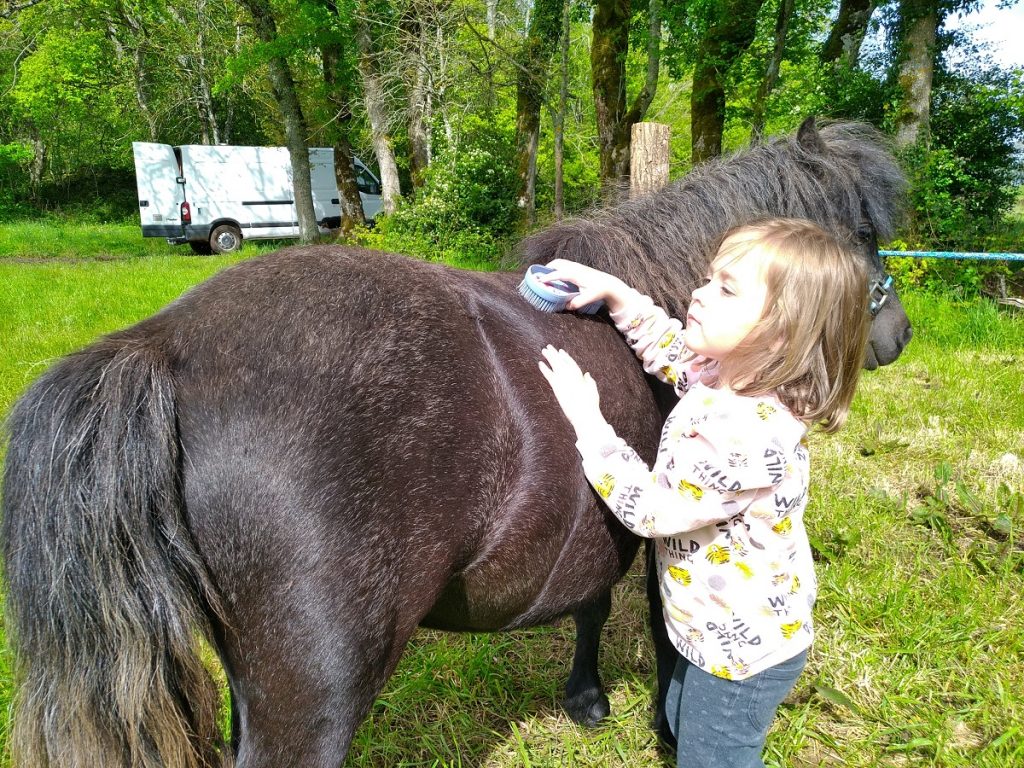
(843, 177)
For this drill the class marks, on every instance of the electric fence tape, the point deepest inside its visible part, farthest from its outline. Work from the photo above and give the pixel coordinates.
(955, 255)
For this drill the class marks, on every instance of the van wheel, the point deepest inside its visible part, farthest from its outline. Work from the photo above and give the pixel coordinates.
(225, 239)
(201, 247)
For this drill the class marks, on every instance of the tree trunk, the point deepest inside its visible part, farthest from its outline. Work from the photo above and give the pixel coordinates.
(707, 109)
(204, 96)
(847, 34)
(608, 52)
(229, 109)
(730, 34)
(376, 110)
(771, 75)
(608, 49)
(415, 35)
(492, 18)
(920, 20)
(533, 62)
(38, 165)
(338, 92)
(140, 96)
(283, 86)
(559, 118)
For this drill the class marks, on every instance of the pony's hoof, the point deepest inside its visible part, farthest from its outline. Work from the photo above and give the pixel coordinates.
(588, 708)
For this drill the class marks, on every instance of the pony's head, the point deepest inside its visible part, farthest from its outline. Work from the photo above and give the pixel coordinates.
(842, 177)
(865, 182)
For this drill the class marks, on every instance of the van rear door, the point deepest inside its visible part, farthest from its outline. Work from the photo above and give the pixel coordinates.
(369, 190)
(160, 194)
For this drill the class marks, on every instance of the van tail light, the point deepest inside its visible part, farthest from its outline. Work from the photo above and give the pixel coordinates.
(186, 213)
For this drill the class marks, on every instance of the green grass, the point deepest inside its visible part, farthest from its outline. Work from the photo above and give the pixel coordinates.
(55, 239)
(917, 515)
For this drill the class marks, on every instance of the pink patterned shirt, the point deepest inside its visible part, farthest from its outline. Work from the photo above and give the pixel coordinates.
(724, 502)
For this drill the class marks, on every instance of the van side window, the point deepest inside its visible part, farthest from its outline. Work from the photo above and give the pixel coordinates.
(366, 183)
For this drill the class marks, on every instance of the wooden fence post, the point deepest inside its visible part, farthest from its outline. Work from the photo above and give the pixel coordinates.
(648, 158)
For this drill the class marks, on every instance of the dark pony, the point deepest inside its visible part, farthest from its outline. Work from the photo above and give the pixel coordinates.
(315, 452)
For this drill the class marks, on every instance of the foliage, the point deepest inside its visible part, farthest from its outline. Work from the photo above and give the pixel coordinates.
(91, 76)
(15, 158)
(467, 199)
(963, 278)
(88, 77)
(965, 182)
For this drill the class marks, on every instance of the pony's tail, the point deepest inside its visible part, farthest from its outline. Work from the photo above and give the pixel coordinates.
(107, 595)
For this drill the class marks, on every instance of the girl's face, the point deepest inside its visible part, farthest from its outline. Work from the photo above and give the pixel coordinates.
(724, 310)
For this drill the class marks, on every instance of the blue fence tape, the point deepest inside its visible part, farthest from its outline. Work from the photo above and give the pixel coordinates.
(955, 255)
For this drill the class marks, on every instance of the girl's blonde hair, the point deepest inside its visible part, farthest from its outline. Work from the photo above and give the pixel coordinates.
(808, 348)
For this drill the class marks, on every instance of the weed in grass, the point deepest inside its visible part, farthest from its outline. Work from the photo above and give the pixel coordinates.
(983, 535)
(876, 444)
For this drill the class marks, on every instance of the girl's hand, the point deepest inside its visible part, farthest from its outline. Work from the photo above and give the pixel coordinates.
(594, 285)
(575, 391)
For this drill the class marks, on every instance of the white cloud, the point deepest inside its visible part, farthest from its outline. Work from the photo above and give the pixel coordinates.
(1001, 30)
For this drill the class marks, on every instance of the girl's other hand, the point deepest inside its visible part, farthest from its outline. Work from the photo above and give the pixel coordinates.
(575, 391)
(594, 285)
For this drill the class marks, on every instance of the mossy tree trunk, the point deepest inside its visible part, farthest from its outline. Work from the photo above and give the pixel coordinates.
(919, 22)
(608, 52)
(532, 69)
(338, 82)
(729, 34)
(842, 47)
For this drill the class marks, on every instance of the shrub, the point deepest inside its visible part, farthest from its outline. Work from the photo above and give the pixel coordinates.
(467, 201)
(963, 278)
(964, 180)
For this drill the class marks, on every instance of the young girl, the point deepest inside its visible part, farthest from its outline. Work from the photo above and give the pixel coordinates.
(773, 344)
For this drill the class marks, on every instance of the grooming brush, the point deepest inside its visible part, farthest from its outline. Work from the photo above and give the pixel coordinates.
(554, 296)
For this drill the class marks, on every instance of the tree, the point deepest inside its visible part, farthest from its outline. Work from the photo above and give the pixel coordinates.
(919, 20)
(608, 52)
(558, 121)
(287, 97)
(191, 53)
(729, 32)
(771, 75)
(533, 63)
(377, 109)
(338, 82)
(420, 26)
(847, 33)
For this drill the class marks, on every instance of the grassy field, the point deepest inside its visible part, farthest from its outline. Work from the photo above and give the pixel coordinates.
(917, 511)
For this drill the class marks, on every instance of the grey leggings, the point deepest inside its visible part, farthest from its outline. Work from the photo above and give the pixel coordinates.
(723, 723)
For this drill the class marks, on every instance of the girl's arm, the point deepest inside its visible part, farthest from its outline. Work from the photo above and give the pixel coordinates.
(656, 338)
(662, 502)
(700, 485)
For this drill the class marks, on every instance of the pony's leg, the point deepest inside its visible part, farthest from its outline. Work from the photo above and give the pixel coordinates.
(305, 711)
(305, 661)
(665, 654)
(585, 700)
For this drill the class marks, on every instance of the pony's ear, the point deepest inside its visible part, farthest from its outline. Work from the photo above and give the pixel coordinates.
(808, 136)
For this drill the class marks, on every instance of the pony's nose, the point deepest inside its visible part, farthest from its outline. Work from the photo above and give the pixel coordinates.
(905, 337)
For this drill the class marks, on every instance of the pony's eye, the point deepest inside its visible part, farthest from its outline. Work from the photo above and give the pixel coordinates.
(864, 233)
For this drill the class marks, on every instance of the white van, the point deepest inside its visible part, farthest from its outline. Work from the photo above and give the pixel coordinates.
(214, 197)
